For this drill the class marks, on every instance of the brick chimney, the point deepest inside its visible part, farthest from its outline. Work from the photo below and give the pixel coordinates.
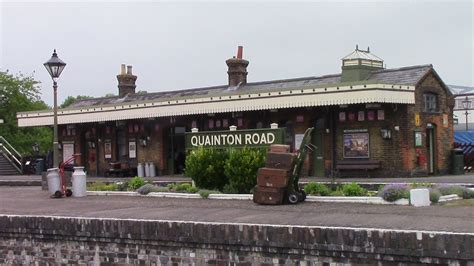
(126, 81)
(237, 69)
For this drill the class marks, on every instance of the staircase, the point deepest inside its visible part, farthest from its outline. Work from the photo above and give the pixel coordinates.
(10, 159)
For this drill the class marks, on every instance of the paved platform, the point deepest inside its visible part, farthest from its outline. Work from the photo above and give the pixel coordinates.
(467, 179)
(33, 201)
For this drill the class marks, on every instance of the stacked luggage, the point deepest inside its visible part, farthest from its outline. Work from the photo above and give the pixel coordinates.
(273, 179)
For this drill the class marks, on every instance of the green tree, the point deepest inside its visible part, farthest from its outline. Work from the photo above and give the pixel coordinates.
(71, 99)
(20, 93)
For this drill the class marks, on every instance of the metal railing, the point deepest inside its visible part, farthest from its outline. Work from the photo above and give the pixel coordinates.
(11, 154)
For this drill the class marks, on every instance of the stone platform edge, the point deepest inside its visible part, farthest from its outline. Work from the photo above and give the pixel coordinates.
(185, 238)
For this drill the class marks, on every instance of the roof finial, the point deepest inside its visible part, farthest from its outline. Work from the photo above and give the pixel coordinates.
(368, 49)
(357, 47)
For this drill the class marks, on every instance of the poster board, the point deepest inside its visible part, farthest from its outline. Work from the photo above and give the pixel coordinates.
(68, 150)
(356, 145)
(132, 149)
(298, 140)
(108, 149)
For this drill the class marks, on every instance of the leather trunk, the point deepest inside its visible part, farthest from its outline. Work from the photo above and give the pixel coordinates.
(268, 195)
(271, 177)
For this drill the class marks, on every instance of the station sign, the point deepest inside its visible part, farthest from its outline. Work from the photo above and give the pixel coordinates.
(235, 139)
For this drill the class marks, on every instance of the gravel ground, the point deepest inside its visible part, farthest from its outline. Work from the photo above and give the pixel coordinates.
(34, 201)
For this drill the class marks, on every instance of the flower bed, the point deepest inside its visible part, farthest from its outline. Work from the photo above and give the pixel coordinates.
(397, 194)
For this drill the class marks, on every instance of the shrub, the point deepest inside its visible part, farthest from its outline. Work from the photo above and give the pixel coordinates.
(241, 168)
(420, 185)
(468, 193)
(145, 189)
(434, 195)
(316, 189)
(461, 191)
(393, 192)
(136, 182)
(206, 168)
(337, 193)
(353, 190)
(122, 186)
(101, 186)
(192, 189)
(183, 187)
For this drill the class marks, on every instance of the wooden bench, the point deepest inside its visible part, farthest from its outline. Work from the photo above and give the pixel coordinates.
(358, 165)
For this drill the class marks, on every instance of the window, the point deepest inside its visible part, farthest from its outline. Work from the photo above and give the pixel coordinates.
(431, 102)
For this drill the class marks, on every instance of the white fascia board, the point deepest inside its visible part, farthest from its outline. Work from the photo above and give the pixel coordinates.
(308, 97)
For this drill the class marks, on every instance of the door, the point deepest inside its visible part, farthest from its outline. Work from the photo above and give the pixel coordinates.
(176, 150)
(431, 148)
(318, 154)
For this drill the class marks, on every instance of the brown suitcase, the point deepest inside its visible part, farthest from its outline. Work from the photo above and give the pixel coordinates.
(268, 195)
(280, 148)
(280, 160)
(271, 177)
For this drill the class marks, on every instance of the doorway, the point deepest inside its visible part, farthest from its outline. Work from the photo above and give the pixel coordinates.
(176, 156)
(431, 147)
(318, 154)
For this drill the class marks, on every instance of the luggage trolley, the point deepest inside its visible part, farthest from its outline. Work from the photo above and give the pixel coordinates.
(64, 191)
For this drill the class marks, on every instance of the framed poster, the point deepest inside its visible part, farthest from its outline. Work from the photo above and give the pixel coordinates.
(108, 150)
(361, 116)
(342, 116)
(132, 149)
(351, 116)
(371, 115)
(418, 139)
(380, 115)
(356, 145)
(445, 121)
(298, 140)
(68, 150)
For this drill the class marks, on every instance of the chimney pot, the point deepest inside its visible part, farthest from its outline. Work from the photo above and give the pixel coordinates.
(126, 81)
(240, 52)
(237, 69)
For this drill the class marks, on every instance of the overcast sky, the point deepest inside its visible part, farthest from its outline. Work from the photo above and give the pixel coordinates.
(185, 45)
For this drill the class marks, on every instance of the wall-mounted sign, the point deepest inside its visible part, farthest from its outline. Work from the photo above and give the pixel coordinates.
(445, 120)
(371, 115)
(342, 116)
(132, 149)
(351, 116)
(298, 140)
(417, 120)
(107, 149)
(360, 116)
(68, 150)
(372, 105)
(380, 115)
(356, 145)
(418, 139)
(238, 138)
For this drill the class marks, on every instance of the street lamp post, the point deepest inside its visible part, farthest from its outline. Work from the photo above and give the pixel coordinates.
(467, 105)
(55, 66)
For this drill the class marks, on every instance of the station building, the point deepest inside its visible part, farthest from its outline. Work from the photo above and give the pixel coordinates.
(400, 120)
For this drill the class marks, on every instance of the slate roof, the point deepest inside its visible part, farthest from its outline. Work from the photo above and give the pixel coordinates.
(456, 89)
(403, 76)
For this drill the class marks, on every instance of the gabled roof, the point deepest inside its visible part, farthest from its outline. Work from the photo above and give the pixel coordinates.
(401, 76)
(456, 89)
